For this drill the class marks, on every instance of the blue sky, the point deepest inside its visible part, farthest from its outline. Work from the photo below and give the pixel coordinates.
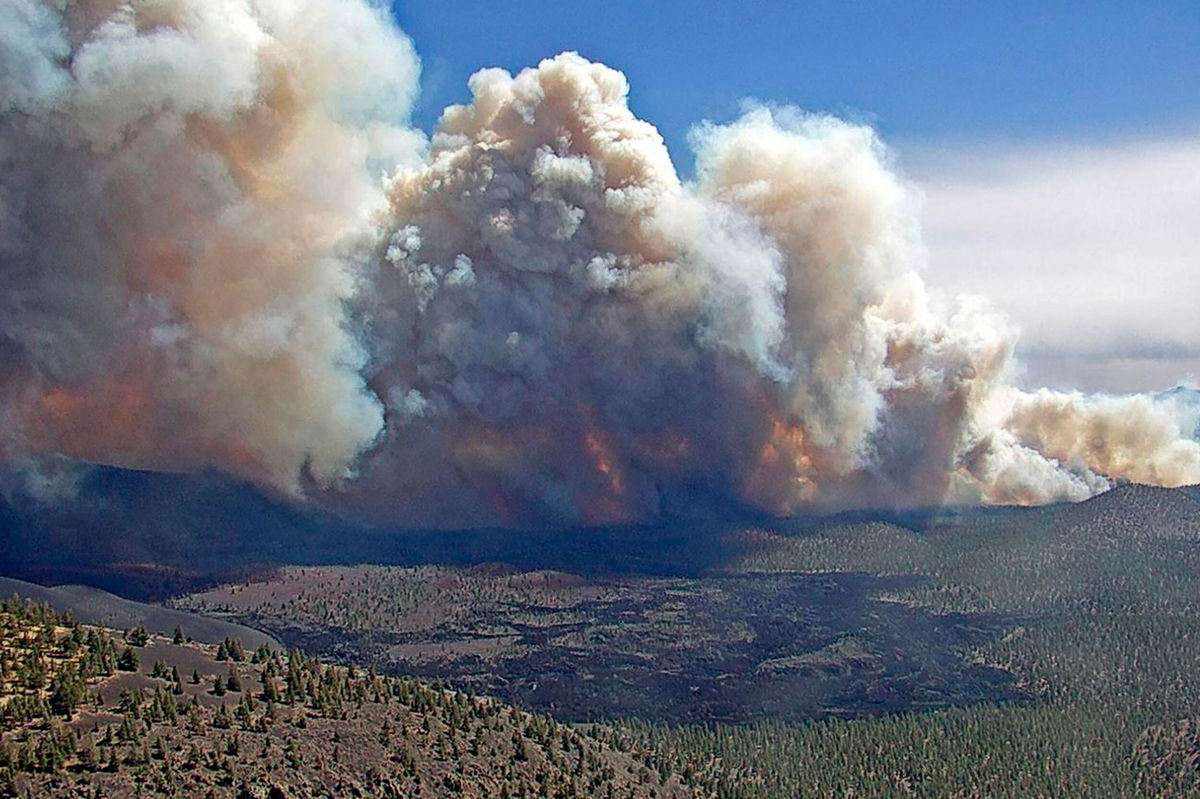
(1057, 144)
(917, 71)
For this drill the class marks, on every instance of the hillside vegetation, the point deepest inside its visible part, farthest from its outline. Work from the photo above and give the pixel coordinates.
(1025, 653)
(1105, 642)
(90, 712)
(725, 647)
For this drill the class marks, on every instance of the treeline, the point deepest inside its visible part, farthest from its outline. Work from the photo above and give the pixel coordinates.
(46, 659)
(1105, 646)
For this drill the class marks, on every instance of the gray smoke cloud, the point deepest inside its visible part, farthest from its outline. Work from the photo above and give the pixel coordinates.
(183, 187)
(530, 318)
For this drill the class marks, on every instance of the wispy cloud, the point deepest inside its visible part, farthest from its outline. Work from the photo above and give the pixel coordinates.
(1093, 251)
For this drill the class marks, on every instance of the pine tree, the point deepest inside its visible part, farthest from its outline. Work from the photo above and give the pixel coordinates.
(128, 661)
(138, 636)
(66, 691)
(234, 649)
(270, 692)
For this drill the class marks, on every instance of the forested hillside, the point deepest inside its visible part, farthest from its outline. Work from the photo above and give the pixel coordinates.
(90, 712)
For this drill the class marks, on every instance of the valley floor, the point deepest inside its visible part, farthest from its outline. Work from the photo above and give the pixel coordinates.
(1047, 652)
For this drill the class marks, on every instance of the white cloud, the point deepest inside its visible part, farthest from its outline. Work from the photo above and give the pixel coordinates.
(1093, 251)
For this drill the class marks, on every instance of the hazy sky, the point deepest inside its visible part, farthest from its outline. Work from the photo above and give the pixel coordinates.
(1058, 144)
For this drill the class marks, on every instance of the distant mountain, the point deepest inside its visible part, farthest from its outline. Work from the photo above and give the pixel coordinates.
(1188, 398)
(151, 535)
(147, 534)
(1131, 511)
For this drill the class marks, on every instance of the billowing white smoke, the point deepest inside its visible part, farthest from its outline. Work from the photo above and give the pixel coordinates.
(564, 329)
(537, 320)
(182, 185)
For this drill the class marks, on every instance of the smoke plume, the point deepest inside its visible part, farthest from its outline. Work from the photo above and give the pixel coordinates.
(530, 317)
(183, 185)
